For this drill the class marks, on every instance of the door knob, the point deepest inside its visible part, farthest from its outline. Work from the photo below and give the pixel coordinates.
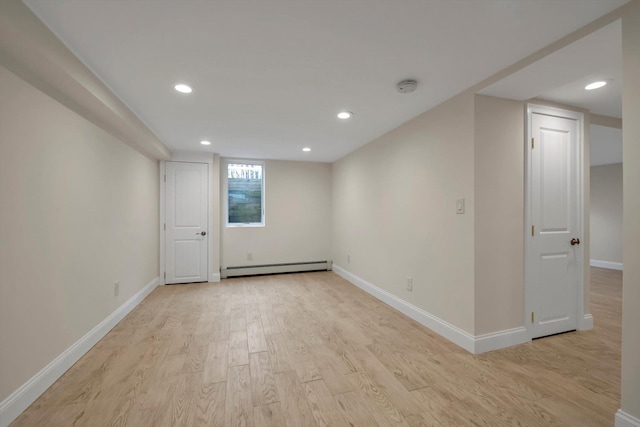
(202, 233)
(575, 241)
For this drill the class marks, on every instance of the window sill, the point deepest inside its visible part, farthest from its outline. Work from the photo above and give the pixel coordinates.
(248, 225)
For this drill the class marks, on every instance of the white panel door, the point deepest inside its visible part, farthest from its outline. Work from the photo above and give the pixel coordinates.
(555, 255)
(187, 222)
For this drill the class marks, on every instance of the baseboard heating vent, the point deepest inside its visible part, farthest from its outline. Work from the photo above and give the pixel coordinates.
(292, 267)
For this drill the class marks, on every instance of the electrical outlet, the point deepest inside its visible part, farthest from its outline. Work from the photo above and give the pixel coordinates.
(116, 289)
(249, 256)
(348, 259)
(410, 284)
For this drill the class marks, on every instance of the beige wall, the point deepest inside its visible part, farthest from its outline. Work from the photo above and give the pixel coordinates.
(297, 216)
(394, 212)
(499, 214)
(216, 228)
(631, 183)
(79, 210)
(606, 213)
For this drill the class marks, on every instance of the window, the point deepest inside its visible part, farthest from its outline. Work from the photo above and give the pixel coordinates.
(245, 193)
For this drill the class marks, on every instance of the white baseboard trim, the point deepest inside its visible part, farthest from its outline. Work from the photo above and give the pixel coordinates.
(606, 264)
(586, 323)
(473, 344)
(447, 330)
(500, 339)
(215, 277)
(625, 420)
(19, 400)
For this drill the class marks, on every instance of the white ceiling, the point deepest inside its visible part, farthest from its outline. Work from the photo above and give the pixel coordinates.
(562, 75)
(269, 76)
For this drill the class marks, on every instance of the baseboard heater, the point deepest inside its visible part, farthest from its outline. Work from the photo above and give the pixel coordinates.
(291, 267)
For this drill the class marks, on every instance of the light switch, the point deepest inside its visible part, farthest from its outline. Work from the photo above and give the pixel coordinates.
(460, 206)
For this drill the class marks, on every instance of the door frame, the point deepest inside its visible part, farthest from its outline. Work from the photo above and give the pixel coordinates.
(207, 158)
(581, 321)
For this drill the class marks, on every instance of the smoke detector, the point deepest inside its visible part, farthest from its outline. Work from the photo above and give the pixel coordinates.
(407, 86)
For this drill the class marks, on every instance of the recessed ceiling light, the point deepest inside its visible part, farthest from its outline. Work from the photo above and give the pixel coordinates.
(205, 142)
(595, 85)
(182, 88)
(345, 115)
(307, 149)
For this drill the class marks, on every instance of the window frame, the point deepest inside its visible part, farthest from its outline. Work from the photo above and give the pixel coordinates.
(225, 183)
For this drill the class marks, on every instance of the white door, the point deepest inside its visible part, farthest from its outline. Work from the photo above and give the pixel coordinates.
(554, 256)
(187, 222)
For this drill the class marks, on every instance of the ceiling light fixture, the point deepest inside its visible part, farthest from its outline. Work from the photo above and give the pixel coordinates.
(595, 85)
(182, 88)
(306, 149)
(344, 115)
(205, 142)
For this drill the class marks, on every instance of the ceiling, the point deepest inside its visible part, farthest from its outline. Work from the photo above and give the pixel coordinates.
(562, 75)
(269, 76)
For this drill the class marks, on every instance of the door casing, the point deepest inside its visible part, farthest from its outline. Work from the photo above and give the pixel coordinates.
(529, 291)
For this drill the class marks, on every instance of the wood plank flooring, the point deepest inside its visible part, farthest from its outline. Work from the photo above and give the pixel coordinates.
(313, 350)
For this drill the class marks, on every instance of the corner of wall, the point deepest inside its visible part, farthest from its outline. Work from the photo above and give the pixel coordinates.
(630, 401)
(499, 234)
(216, 230)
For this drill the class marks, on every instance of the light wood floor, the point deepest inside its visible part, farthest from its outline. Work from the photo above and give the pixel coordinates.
(310, 349)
